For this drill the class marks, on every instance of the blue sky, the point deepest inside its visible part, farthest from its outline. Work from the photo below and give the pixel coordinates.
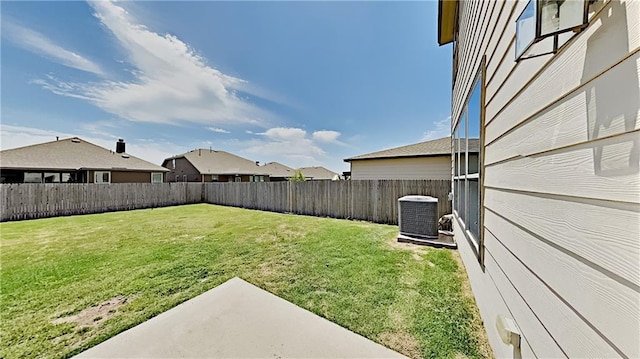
(301, 83)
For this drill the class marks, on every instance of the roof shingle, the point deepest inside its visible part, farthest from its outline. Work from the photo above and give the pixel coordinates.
(72, 154)
(438, 147)
(276, 169)
(317, 173)
(215, 162)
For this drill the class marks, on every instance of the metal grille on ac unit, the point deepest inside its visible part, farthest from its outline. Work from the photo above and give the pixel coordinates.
(418, 216)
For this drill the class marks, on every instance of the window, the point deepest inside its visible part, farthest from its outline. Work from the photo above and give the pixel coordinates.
(51, 177)
(102, 177)
(545, 25)
(256, 178)
(238, 179)
(32, 177)
(467, 162)
(214, 178)
(184, 178)
(157, 177)
(177, 178)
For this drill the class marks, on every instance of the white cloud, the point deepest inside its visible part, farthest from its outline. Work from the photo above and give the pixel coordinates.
(441, 129)
(326, 136)
(291, 146)
(152, 151)
(285, 134)
(171, 84)
(37, 43)
(217, 130)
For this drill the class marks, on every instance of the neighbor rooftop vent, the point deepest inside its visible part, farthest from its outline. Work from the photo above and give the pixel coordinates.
(75, 140)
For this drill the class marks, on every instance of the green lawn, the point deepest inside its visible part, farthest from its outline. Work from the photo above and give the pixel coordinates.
(69, 283)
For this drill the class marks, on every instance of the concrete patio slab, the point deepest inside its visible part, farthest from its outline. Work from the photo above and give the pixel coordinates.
(238, 320)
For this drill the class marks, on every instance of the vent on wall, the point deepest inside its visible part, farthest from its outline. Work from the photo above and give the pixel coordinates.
(418, 221)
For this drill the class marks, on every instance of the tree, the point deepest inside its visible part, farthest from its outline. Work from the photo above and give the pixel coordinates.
(297, 177)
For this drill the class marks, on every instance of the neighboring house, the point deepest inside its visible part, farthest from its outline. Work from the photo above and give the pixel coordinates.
(278, 172)
(424, 160)
(74, 160)
(547, 221)
(207, 165)
(318, 173)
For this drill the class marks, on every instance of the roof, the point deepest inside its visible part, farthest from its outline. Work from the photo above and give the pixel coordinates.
(317, 173)
(216, 162)
(72, 154)
(439, 147)
(446, 21)
(276, 169)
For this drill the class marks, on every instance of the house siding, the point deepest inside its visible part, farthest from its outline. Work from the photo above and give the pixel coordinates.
(433, 168)
(182, 167)
(561, 174)
(130, 177)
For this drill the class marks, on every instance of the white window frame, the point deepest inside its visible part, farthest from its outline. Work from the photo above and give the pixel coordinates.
(99, 174)
(155, 174)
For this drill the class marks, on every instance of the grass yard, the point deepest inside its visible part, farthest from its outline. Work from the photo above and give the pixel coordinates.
(69, 283)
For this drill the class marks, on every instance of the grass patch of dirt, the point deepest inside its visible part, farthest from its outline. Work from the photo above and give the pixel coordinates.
(403, 343)
(95, 314)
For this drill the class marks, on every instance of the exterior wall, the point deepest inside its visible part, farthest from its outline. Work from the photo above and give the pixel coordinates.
(561, 182)
(225, 178)
(433, 168)
(130, 177)
(182, 167)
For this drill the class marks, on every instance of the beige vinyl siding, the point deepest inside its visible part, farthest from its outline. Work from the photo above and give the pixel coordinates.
(562, 182)
(432, 168)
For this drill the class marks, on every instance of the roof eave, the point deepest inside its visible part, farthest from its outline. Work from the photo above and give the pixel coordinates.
(446, 21)
(398, 156)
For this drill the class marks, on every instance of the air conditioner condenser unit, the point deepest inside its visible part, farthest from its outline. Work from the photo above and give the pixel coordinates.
(418, 221)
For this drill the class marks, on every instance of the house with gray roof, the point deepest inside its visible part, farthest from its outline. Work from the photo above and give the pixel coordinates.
(318, 173)
(208, 165)
(74, 160)
(278, 172)
(424, 160)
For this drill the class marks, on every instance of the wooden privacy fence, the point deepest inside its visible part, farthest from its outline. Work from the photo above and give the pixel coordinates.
(36, 200)
(373, 200)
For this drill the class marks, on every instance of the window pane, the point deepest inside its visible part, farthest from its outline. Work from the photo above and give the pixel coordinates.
(462, 200)
(32, 177)
(560, 16)
(473, 129)
(66, 177)
(51, 177)
(456, 196)
(525, 29)
(474, 207)
(456, 155)
(462, 145)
